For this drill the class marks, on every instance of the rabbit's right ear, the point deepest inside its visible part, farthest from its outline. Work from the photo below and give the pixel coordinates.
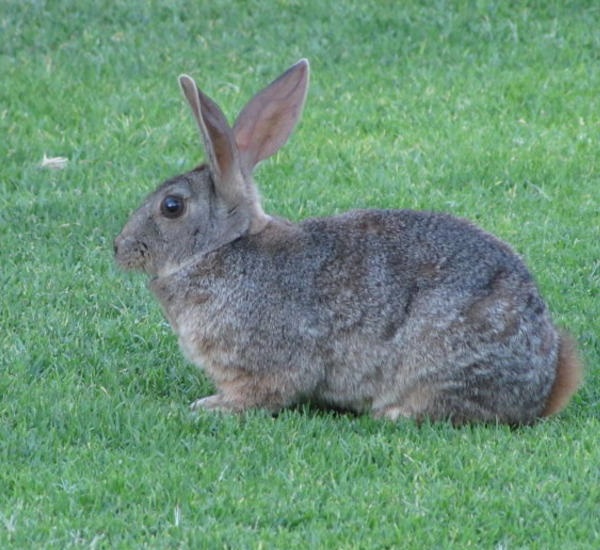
(268, 119)
(217, 135)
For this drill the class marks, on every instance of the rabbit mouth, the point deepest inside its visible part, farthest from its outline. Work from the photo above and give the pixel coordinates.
(132, 255)
(130, 263)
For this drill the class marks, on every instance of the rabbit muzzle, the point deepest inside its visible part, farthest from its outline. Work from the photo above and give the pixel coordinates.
(130, 253)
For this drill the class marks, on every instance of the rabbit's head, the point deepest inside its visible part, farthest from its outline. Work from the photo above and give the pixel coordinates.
(217, 202)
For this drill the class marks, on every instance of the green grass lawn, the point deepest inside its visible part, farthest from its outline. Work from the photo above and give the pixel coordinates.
(489, 110)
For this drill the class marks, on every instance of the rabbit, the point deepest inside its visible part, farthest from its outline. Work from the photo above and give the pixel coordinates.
(393, 313)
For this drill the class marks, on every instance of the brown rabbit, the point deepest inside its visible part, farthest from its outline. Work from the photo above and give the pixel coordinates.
(396, 312)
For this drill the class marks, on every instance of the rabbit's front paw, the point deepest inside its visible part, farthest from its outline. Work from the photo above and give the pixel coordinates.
(394, 412)
(214, 403)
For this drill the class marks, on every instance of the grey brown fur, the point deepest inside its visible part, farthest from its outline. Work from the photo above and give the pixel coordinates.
(393, 312)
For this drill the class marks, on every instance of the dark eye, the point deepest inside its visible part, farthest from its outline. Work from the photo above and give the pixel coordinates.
(172, 206)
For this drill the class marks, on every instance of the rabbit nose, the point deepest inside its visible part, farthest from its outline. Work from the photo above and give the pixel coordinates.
(118, 240)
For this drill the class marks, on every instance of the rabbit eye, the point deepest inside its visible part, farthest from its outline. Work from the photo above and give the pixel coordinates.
(172, 206)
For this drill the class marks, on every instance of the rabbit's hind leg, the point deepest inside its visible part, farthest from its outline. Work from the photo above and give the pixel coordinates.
(442, 410)
(412, 405)
(433, 404)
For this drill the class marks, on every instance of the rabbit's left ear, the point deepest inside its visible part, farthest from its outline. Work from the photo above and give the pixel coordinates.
(268, 119)
(216, 133)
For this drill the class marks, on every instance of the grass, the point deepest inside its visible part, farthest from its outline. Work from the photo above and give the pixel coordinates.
(485, 109)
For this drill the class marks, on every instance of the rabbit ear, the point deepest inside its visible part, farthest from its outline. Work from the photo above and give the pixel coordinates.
(268, 119)
(218, 138)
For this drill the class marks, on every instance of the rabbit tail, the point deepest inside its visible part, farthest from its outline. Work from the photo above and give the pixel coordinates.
(569, 375)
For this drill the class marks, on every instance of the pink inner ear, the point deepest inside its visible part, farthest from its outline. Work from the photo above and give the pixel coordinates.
(268, 119)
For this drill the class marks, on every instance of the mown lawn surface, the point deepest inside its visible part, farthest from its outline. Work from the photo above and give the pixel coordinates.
(489, 110)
